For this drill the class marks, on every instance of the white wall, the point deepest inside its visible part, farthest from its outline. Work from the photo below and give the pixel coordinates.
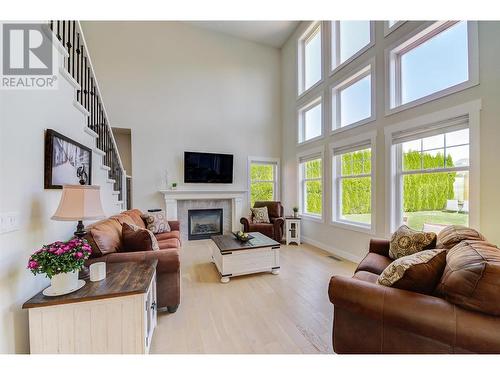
(353, 244)
(24, 115)
(181, 88)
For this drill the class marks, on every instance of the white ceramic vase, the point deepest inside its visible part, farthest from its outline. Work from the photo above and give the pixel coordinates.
(64, 282)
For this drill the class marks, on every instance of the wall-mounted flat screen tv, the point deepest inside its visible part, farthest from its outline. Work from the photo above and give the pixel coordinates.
(202, 167)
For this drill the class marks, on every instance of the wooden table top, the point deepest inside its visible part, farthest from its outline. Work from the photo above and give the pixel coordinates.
(228, 243)
(122, 279)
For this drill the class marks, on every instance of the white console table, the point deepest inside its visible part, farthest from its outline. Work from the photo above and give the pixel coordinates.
(116, 315)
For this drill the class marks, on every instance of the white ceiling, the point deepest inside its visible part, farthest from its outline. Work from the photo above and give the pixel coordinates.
(271, 33)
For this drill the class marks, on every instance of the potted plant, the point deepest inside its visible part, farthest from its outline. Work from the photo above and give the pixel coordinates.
(174, 185)
(295, 212)
(60, 262)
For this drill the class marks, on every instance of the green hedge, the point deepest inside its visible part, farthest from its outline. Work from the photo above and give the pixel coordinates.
(422, 192)
(427, 192)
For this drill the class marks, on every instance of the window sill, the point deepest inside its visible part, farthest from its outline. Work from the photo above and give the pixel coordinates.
(353, 125)
(353, 226)
(429, 98)
(309, 90)
(315, 218)
(388, 30)
(335, 70)
(312, 140)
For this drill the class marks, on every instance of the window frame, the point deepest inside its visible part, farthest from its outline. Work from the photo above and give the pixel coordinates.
(354, 75)
(336, 179)
(309, 33)
(389, 29)
(413, 40)
(311, 154)
(301, 120)
(394, 193)
(275, 162)
(335, 48)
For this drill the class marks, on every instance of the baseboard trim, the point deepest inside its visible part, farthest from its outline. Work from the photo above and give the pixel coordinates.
(330, 249)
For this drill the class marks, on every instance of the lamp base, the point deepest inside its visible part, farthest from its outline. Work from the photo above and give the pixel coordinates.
(80, 233)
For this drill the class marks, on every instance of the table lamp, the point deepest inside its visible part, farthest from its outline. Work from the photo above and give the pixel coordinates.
(78, 203)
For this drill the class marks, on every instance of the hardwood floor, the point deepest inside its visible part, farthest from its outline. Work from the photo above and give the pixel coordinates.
(262, 313)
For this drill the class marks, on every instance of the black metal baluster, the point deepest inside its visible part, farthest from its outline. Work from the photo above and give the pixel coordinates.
(78, 70)
(58, 30)
(68, 46)
(63, 41)
(73, 51)
(85, 81)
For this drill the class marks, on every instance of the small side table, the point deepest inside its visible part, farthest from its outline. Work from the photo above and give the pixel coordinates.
(292, 227)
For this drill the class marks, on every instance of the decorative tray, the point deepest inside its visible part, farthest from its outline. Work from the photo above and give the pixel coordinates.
(243, 239)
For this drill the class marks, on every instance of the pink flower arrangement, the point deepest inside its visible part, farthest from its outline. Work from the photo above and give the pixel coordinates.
(60, 257)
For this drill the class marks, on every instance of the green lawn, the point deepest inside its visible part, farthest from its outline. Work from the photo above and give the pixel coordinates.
(417, 219)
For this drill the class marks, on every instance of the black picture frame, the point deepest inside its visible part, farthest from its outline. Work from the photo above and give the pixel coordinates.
(55, 180)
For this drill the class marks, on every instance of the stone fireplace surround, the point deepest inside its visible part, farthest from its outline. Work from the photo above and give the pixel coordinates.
(232, 202)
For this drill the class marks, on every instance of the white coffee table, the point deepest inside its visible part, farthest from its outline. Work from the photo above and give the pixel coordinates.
(233, 257)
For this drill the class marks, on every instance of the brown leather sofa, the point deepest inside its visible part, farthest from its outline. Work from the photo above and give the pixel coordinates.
(105, 237)
(371, 318)
(272, 230)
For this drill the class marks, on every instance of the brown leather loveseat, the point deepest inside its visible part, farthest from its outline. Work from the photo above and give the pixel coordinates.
(105, 237)
(461, 316)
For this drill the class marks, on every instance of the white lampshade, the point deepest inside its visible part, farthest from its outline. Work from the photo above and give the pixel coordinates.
(79, 202)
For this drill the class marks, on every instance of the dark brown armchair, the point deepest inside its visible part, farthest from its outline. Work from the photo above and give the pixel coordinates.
(274, 229)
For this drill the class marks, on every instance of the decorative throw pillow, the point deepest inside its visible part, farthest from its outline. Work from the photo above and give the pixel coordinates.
(454, 234)
(135, 238)
(406, 241)
(260, 215)
(419, 272)
(156, 222)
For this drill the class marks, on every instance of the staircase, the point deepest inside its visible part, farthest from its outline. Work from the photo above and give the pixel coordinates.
(79, 71)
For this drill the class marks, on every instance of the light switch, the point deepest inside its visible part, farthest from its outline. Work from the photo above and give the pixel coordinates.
(9, 222)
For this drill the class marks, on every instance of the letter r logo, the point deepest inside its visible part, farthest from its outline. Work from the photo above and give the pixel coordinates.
(27, 49)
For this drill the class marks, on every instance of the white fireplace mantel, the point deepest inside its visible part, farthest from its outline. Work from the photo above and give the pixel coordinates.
(237, 197)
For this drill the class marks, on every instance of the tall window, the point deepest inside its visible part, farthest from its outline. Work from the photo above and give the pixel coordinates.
(310, 58)
(349, 39)
(432, 180)
(431, 62)
(352, 99)
(352, 184)
(310, 121)
(263, 180)
(311, 185)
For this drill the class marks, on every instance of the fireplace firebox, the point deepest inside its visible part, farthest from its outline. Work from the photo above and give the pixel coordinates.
(204, 223)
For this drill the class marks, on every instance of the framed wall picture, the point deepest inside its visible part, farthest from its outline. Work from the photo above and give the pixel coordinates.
(64, 158)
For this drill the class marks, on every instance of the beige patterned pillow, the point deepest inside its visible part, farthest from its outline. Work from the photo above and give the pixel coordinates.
(260, 215)
(156, 222)
(419, 272)
(406, 241)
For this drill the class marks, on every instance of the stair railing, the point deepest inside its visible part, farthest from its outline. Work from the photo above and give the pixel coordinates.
(79, 65)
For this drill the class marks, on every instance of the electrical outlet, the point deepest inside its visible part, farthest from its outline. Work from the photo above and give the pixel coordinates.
(9, 222)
